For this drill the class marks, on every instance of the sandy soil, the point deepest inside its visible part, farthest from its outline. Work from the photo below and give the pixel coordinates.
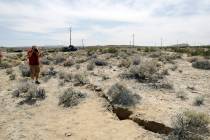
(91, 120)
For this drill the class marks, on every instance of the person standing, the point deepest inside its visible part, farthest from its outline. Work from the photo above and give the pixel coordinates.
(33, 57)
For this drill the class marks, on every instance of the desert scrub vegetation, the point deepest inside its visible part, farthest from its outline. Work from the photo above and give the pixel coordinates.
(201, 64)
(48, 73)
(162, 84)
(66, 77)
(195, 51)
(9, 71)
(80, 80)
(182, 95)
(190, 125)
(45, 61)
(25, 70)
(29, 91)
(99, 62)
(59, 58)
(136, 61)
(77, 66)
(5, 64)
(169, 58)
(124, 63)
(198, 101)
(90, 66)
(147, 71)
(119, 95)
(111, 50)
(69, 63)
(12, 77)
(71, 98)
(91, 51)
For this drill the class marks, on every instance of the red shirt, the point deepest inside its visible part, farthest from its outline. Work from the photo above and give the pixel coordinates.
(33, 57)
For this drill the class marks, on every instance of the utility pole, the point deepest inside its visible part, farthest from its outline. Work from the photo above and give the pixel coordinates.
(161, 42)
(133, 40)
(70, 36)
(83, 43)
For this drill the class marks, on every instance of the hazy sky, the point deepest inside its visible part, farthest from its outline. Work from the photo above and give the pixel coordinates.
(46, 22)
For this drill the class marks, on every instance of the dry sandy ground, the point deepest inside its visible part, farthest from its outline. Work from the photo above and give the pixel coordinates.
(90, 120)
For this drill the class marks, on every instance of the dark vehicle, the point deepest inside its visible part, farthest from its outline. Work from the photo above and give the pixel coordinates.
(71, 48)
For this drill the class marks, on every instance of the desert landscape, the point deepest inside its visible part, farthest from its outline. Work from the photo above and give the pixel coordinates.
(107, 93)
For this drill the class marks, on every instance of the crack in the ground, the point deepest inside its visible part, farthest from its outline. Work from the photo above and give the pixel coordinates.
(125, 114)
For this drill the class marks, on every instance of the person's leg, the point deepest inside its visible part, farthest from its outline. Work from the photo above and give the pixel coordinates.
(37, 74)
(32, 69)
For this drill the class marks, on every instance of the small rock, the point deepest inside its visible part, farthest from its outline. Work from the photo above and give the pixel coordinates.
(68, 134)
(98, 89)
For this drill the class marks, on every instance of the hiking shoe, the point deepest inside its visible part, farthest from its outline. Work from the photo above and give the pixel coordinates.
(37, 82)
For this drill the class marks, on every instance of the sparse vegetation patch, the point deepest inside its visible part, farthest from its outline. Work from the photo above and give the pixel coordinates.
(119, 95)
(71, 98)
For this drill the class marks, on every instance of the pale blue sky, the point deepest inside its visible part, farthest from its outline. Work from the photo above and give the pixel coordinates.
(46, 22)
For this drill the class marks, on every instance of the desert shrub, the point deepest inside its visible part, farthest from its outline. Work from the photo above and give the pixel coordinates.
(155, 54)
(150, 49)
(110, 50)
(29, 91)
(19, 55)
(182, 95)
(190, 126)
(61, 83)
(24, 86)
(201, 64)
(165, 72)
(25, 70)
(99, 62)
(169, 58)
(77, 66)
(136, 61)
(80, 80)
(82, 60)
(9, 71)
(12, 77)
(123, 55)
(104, 77)
(69, 63)
(45, 61)
(49, 72)
(40, 93)
(147, 71)
(71, 98)
(91, 51)
(119, 95)
(66, 77)
(199, 101)
(174, 67)
(90, 66)
(59, 58)
(125, 63)
(163, 84)
(5, 64)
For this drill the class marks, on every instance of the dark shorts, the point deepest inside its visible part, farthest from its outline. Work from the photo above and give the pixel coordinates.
(35, 69)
